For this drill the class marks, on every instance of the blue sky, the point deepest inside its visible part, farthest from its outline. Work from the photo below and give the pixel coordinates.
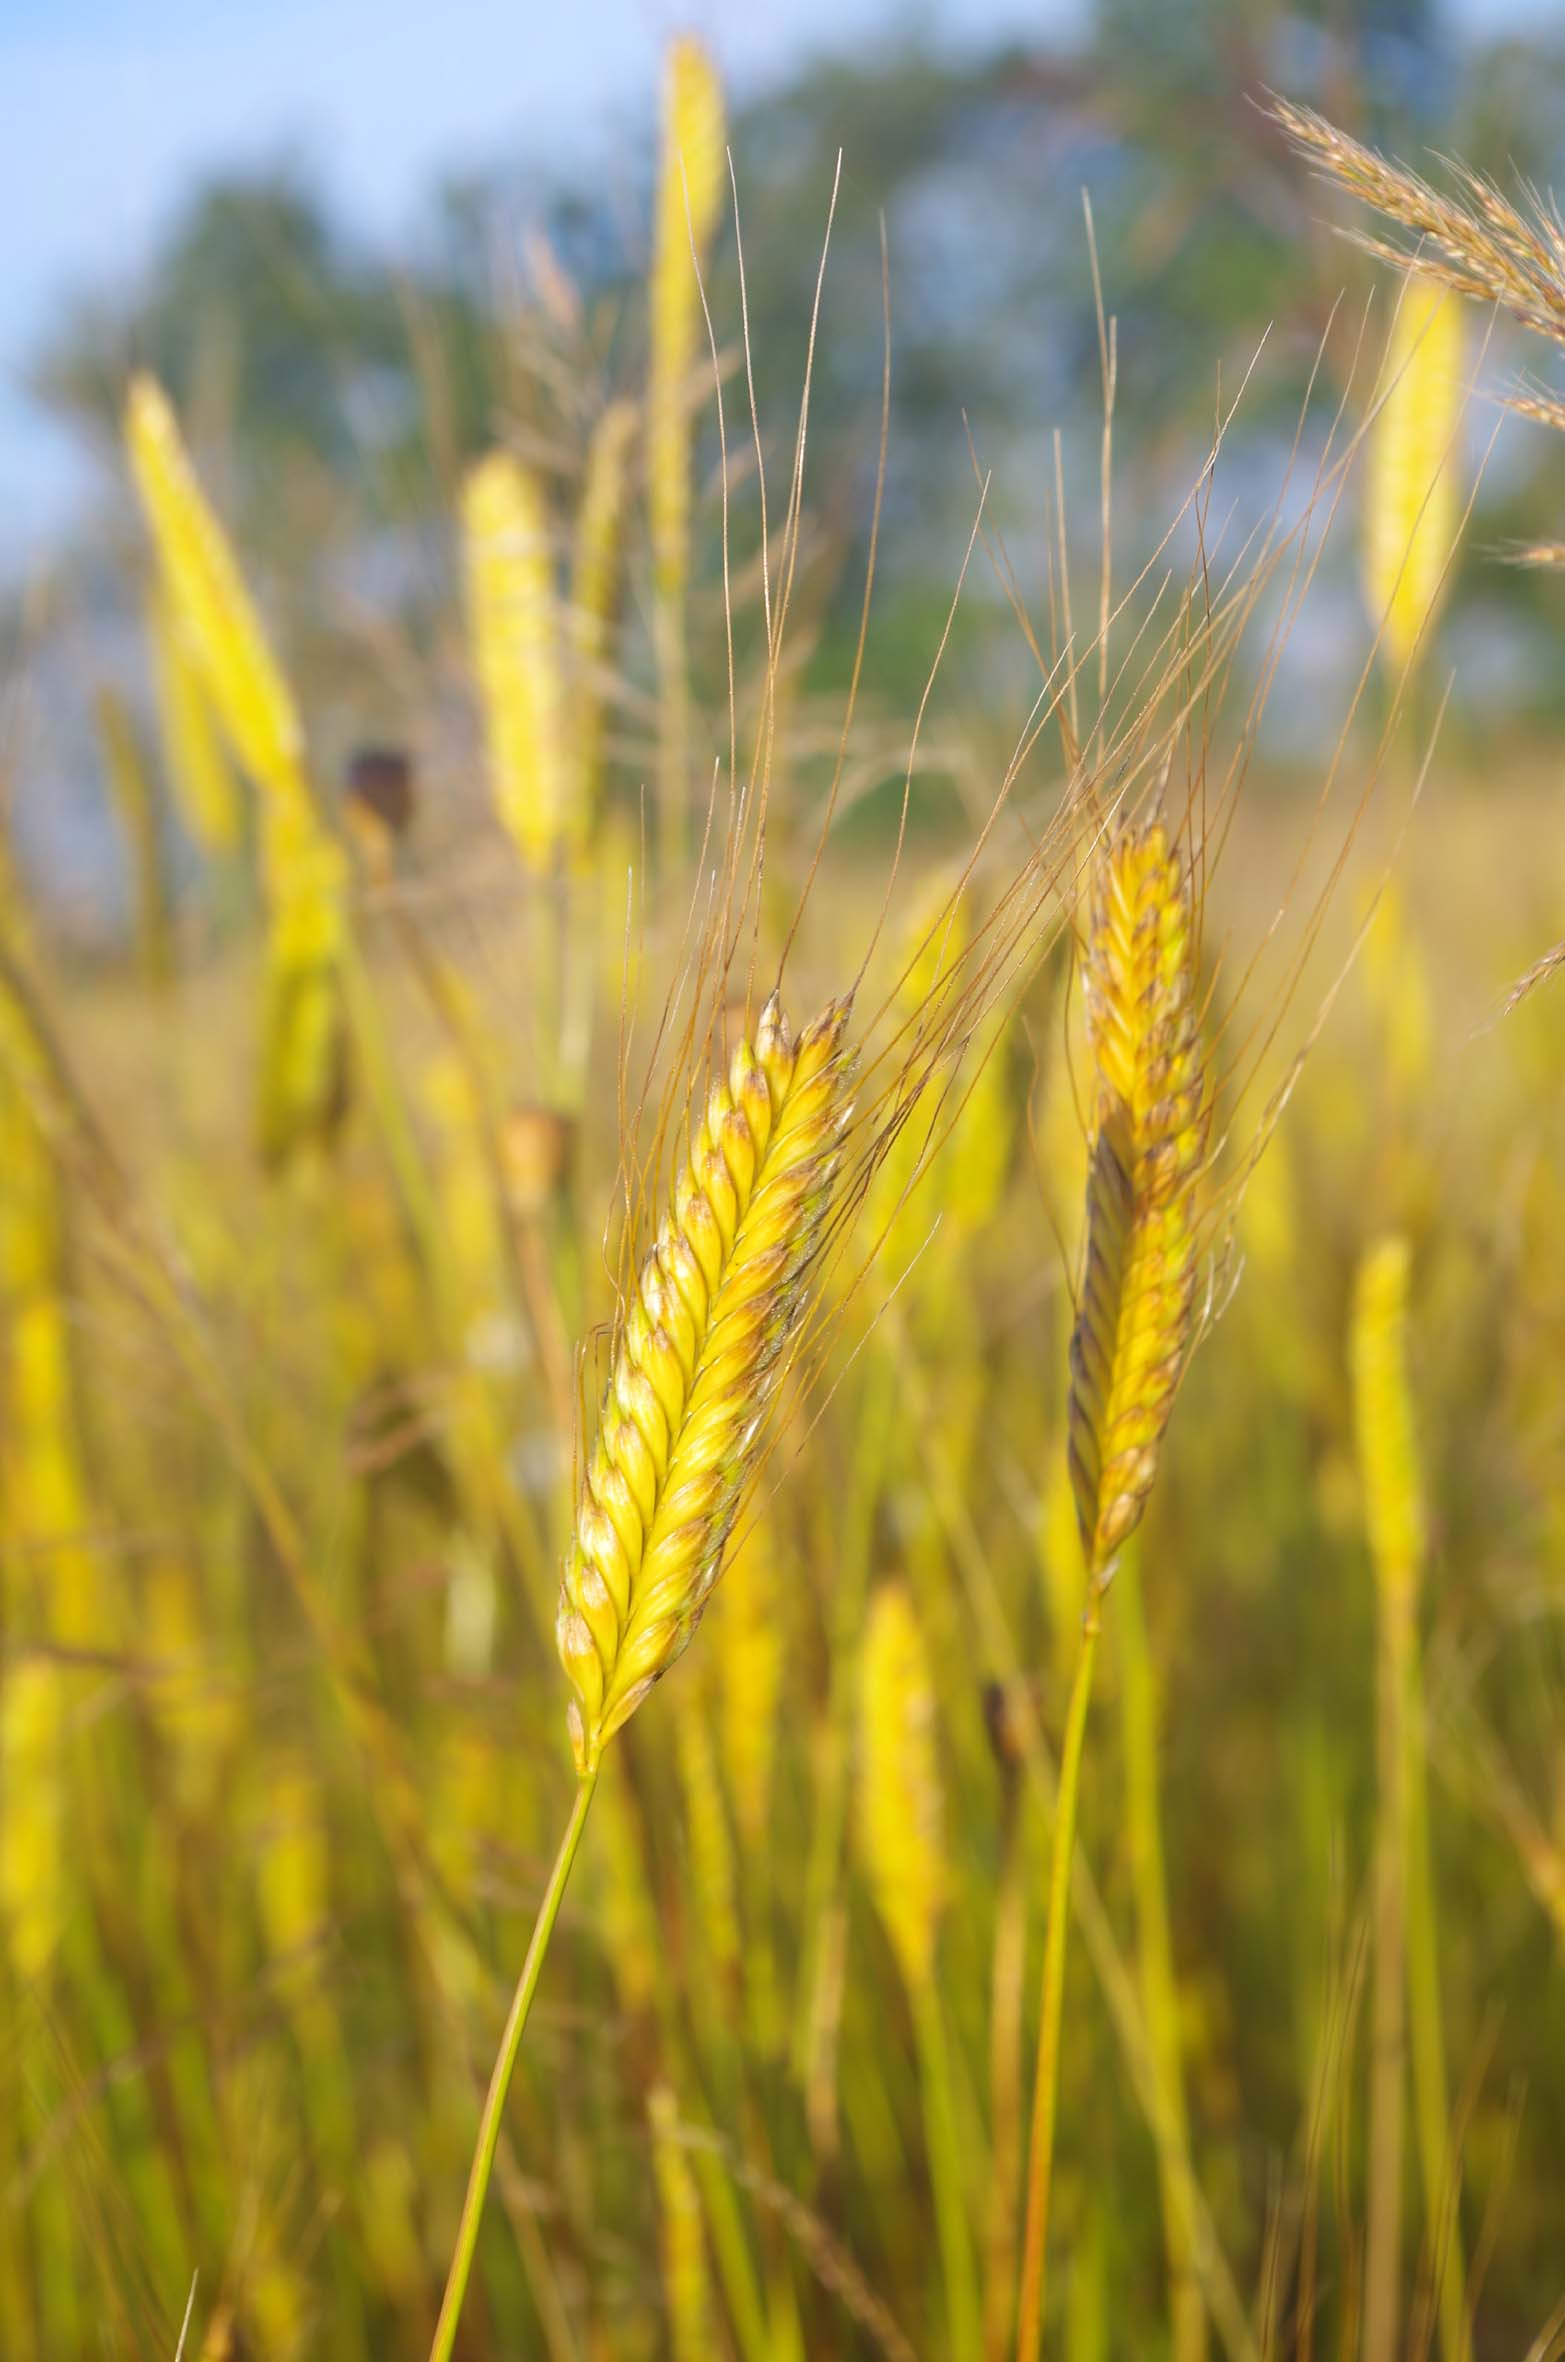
(112, 107)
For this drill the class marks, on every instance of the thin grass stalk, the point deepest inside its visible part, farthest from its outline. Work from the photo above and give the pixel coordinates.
(504, 2068)
(1437, 2154)
(1388, 2024)
(1138, 1691)
(1406, 1982)
(1115, 1979)
(1040, 2167)
(1007, 1990)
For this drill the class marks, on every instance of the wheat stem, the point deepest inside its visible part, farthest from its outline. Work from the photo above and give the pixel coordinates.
(504, 2067)
(1029, 2333)
(1008, 1980)
(1388, 2037)
(1154, 1950)
(1442, 2189)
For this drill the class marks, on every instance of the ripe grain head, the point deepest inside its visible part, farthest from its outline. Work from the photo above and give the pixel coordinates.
(1149, 1125)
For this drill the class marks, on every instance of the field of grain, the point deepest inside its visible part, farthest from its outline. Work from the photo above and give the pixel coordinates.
(871, 1391)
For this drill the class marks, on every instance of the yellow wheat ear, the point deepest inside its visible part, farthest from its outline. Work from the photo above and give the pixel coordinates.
(901, 1811)
(595, 580)
(208, 595)
(1148, 1144)
(514, 623)
(303, 1058)
(1383, 1413)
(689, 194)
(1413, 514)
(699, 1354)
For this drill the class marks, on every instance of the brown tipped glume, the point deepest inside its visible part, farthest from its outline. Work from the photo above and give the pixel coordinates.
(1149, 1131)
(702, 1345)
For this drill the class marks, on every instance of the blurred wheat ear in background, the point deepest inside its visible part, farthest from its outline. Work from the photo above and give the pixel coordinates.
(303, 1052)
(689, 199)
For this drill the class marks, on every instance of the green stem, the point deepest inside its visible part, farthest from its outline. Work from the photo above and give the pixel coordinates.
(1388, 2036)
(1040, 2163)
(500, 2080)
(1427, 2034)
(945, 2158)
(1154, 1946)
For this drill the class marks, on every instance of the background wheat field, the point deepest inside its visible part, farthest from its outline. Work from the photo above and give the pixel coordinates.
(1100, 660)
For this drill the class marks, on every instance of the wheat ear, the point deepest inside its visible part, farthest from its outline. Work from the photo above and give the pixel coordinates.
(698, 1356)
(208, 597)
(1134, 1322)
(514, 623)
(595, 586)
(303, 1065)
(1149, 1131)
(689, 191)
(1413, 506)
(700, 1350)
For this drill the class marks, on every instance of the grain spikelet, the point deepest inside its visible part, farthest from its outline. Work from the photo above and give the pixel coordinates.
(1383, 1410)
(901, 1814)
(205, 790)
(1477, 242)
(252, 699)
(689, 192)
(513, 619)
(1413, 514)
(595, 580)
(686, 2288)
(33, 1880)
(1148, 1143)
(699, 1353)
